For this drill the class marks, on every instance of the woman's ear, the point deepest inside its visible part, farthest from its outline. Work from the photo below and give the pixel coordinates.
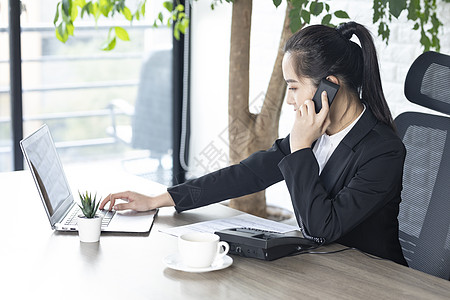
(333, 79)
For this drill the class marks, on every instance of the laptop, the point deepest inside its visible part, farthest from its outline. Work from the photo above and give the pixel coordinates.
(62, 210)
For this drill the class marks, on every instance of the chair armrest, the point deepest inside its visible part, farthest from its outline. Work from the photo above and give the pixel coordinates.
(121, 106)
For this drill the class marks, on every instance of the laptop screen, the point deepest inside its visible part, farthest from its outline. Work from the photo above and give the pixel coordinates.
(43, 160)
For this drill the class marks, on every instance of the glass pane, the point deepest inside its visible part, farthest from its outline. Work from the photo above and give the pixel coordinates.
(5, 107)
(108, 108)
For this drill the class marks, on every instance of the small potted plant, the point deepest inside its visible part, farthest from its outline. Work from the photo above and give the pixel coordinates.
(89, 224)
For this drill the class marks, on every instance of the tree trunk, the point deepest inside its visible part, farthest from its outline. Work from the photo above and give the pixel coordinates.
(248, 132)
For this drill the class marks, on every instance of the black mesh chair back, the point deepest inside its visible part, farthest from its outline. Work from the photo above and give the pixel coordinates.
(152, 122)
(424, 218)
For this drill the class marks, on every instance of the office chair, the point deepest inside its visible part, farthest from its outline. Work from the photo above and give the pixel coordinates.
(424, 218)
(151, 123)
(151, 118)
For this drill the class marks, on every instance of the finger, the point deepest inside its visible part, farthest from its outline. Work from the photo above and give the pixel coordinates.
(122, 195)
(324, 97)
(104, 201)
(310, 107)
(124, 206)
(112, 201)
(303, 110)
(111, 198)
(325, 106)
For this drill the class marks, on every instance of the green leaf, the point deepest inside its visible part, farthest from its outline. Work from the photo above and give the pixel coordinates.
(65, 18)
(326, 19)
(80, 3)
(143, 9)
(416, 26)
(122, 33)
(86, 9)
(306, 16)
(277, 2)
(298, 3)
(168, 5)
(316, 8)
(95, 11)
(109, 45)
(66, 7)
(384, 31)
(85, 213)
(378, 11)
(57, 13)
(180, 7)
(396, 7)
(96, 208)
(160, 17)
(127, 14)
(88, 204)
(74, 13)
(295, 23)
(425, 41)
(412, 10)
(295, 3)
(60, 34)
(63, 31)
(341, 14)
(70, 29)
(111, 34)
(184, 24)
(105, 9)
(294, 14)
(435, 22)
(176, 32)
(436, 43)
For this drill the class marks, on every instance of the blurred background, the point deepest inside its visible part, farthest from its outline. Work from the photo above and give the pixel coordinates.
(92, 99)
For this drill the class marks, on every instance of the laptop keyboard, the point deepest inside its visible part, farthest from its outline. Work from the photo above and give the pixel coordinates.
(72, 218)
(107, 216)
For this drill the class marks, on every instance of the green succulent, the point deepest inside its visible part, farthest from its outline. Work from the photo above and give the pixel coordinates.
(88, 206)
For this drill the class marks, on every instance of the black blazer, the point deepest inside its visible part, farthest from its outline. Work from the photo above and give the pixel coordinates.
(354, 202)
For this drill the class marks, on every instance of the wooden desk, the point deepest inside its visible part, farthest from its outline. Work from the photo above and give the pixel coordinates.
(35, 262)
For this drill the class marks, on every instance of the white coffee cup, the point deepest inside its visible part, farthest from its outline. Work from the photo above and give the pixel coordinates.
(200, 250)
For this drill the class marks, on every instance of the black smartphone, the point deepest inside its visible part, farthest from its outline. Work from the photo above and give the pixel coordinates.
(331, 89)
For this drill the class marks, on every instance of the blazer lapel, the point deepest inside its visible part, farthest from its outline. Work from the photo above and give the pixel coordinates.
(335, 166)
(344, 151)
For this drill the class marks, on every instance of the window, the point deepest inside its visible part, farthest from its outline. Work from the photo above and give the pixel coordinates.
(104, 107)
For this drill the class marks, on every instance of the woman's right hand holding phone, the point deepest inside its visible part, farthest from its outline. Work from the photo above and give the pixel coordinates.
(309, 126)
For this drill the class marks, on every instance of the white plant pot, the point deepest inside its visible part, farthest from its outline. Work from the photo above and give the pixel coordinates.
(89, 229)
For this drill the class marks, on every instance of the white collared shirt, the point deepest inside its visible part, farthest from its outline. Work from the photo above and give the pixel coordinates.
(326, 144)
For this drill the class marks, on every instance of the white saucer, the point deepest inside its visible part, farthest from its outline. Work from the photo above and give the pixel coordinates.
(173, 261)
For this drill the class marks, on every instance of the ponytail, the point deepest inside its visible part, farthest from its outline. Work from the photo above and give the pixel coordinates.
(320, 51)
(371, 89)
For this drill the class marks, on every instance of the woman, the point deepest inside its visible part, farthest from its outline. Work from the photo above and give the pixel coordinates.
(343, 166)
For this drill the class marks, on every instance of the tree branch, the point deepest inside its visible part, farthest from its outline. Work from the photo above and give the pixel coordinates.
(273, 101)
(240, 122)
(239, 59)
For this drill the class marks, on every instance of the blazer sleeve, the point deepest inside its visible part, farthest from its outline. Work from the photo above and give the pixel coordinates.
(376, 181)
(257, 172)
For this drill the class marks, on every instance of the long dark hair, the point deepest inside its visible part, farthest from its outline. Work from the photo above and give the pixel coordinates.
(320, 51)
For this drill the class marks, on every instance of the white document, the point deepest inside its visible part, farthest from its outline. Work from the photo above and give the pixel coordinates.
(244, 220)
